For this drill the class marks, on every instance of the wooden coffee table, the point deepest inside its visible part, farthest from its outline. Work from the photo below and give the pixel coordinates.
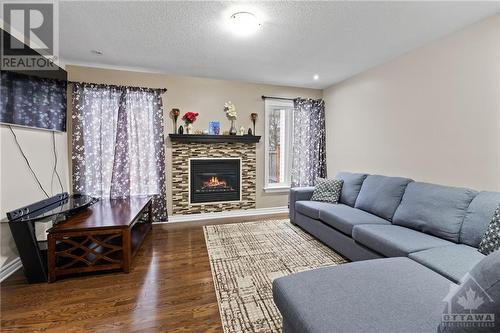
(105, 236)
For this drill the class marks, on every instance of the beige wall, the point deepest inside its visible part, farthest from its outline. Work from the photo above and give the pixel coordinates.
(207, 97)
(17, 185)
(432, 114)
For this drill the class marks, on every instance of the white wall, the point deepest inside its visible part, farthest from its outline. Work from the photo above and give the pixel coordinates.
(432, 114)
(17, 185)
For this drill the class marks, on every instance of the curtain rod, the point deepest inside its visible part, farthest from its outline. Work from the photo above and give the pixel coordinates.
(282, 98)
(163, 90)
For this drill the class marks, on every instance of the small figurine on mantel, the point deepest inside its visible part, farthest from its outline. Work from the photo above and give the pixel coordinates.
(181, 130)
(250, 131)
(241, 131)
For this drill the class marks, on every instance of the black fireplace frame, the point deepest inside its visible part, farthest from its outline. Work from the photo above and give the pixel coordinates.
(214, 160)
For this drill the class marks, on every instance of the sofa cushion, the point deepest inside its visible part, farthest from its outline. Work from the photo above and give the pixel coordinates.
(335, 239)
(452, 261)
(434, 209)
(362, 296)
(478, 217)
(311, 208)
(393, 240)
(482, 284)
(381, 195)
(344, 218)
(350, 188)
(327, 190)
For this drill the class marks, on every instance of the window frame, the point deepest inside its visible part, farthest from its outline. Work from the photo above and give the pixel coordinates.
(288, 144)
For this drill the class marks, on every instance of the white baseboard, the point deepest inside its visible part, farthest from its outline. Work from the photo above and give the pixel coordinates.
(10, 268)
(227, 214)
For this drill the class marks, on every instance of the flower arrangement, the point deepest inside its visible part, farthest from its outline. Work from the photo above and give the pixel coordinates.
(190, 117)
(230, 110)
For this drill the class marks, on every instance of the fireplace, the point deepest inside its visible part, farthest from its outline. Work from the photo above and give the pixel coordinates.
(214, 180)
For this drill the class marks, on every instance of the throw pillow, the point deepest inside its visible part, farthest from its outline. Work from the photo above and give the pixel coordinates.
(327, 190)
(491, 239)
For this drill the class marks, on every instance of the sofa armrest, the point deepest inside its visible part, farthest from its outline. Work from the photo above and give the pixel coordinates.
(297, 194)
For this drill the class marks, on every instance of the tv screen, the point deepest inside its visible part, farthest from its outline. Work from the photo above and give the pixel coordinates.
(31, 100)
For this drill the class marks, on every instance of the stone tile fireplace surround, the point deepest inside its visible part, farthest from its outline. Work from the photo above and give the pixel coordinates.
(184, 152)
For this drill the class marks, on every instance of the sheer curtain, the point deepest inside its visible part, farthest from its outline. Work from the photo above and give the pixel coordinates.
(309, 142)
(118, 143)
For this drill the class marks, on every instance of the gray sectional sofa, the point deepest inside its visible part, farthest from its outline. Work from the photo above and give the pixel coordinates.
(423, 236)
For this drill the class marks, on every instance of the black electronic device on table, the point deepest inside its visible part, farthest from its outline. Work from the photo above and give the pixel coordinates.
(22, 221)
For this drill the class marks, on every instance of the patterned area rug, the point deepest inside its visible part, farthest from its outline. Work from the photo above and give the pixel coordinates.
(246, 257)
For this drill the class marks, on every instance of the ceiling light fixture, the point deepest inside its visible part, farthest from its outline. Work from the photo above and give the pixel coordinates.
(98, 52)
(244, 23)
(316, 77)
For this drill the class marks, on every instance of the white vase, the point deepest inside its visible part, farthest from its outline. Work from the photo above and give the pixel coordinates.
(232, 130)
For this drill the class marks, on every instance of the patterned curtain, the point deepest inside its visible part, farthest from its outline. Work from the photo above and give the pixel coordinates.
(118, 143)
(309, 142)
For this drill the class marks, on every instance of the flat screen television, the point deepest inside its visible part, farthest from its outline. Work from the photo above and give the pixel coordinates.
(35, 98)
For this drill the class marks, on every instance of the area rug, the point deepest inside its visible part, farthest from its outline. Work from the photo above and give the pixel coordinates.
(246, 257)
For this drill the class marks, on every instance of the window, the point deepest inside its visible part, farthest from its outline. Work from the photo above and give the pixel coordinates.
(278, 144)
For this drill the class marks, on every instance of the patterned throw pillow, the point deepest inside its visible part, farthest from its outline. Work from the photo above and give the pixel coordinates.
(491, 239)
(327, 190)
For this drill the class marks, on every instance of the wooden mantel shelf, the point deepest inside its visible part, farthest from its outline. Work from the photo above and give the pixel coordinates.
(202, 138)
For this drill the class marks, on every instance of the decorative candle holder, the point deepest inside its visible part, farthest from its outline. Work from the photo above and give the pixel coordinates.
(174, 113)
(254, 117)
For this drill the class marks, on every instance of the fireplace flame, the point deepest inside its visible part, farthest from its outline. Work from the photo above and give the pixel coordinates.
(215, 182)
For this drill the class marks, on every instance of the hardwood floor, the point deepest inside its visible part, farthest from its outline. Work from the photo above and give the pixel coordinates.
(169, 289)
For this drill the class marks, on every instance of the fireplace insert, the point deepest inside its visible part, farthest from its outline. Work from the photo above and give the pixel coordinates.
(215, 180)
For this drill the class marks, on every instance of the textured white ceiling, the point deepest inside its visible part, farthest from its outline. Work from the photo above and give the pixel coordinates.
(297, 39)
